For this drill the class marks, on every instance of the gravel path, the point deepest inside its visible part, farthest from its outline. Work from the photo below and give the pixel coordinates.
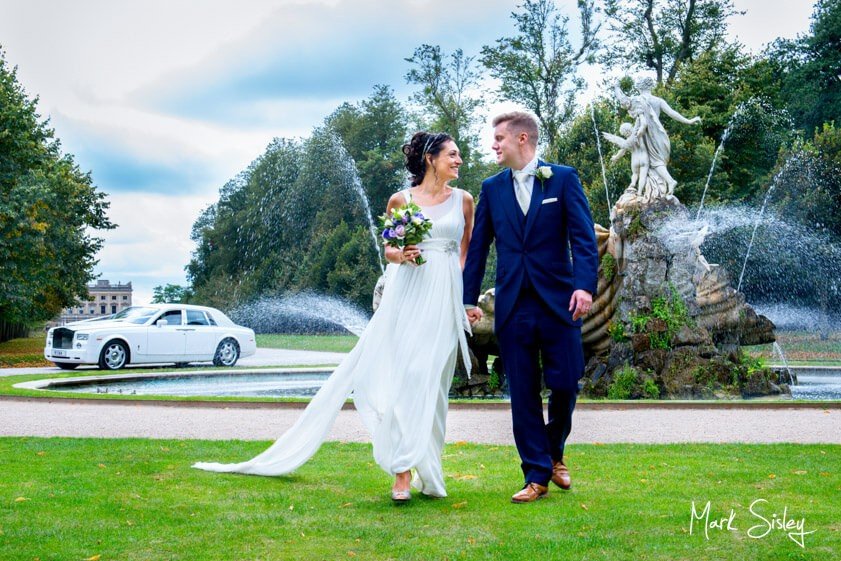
(491, 425)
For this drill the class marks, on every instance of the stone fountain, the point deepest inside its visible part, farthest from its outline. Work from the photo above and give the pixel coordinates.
(665, 323)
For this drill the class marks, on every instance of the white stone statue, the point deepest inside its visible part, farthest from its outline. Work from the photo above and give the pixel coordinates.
(651, 177)
(694, 239)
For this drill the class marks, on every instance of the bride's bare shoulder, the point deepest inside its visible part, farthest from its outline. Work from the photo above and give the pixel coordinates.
(467, 202)
(396, 200)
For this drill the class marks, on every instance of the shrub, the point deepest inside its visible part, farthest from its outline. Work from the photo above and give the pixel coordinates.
(650, 389)
(616, 330)
(623, 383)
(494, 380)
(608, 266)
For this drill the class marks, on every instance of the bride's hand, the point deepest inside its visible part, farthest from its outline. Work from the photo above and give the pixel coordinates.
(410, 253)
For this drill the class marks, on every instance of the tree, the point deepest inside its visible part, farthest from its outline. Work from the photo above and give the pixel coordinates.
(294, 216)
(373, 132)
(239, 238)
(809, 187)
(538, 67)
(448, 88)
(727, 89)
(662, 35)
(353, 277)
(809, 69)
(450, 96)
(577, 147)
(171, 294)
(48, 207)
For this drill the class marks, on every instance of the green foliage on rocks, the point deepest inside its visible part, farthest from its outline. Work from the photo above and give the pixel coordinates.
(650, 389)
(623, 383)
(672, 313)
(608, 267)
(616, 330)
(494, 380)
(631, 383)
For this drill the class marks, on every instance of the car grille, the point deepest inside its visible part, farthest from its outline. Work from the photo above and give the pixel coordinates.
(62, 338)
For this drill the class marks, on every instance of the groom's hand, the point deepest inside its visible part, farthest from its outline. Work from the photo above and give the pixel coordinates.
(474, 315)
(580, 304)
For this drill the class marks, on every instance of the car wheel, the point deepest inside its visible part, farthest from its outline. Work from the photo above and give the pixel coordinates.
(114, 355)
(66, 365)
(227, 353)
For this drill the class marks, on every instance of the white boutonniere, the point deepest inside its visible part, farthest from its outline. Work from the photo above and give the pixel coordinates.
(542, 174)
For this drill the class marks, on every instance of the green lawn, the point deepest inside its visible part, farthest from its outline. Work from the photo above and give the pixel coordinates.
(74, 499)
(331, 343)
(802, 348)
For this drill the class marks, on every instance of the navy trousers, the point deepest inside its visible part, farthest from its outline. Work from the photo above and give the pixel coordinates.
(533, 334)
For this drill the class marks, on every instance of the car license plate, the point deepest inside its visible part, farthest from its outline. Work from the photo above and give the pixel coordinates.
(57, 352)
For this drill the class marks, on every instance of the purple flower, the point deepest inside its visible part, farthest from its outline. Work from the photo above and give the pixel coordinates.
(420, 215)
(388, 234)
(400, 231)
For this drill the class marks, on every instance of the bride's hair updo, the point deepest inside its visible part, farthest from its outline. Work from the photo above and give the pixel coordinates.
(422, 143)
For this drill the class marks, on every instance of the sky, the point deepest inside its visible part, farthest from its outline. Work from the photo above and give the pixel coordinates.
(165, 101)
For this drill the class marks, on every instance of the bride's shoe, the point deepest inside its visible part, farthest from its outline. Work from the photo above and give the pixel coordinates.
(401, 496)
(405, 495)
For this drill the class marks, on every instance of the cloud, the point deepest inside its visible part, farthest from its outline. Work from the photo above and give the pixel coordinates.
(130, 149)
(318, 51)
(766, 20)
(151, 244)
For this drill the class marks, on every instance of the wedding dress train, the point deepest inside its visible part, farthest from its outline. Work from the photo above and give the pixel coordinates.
(400, 371)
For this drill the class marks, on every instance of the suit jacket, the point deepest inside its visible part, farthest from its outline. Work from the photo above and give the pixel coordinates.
(554, 245)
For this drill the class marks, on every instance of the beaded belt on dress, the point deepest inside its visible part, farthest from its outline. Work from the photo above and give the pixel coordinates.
(444, 245)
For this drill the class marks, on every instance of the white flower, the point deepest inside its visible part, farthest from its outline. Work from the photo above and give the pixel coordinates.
(543, 173)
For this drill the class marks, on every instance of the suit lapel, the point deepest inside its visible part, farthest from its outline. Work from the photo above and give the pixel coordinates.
(535, 204)
(509, 201)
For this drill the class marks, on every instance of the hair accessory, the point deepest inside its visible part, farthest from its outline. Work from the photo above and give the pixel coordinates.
(429, 141)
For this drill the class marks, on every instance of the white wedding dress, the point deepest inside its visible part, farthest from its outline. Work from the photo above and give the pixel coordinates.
(400, 370)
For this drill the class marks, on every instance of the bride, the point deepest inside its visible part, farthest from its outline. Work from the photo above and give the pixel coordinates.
(401, 368)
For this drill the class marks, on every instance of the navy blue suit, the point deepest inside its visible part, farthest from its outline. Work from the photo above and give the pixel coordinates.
(542, 258)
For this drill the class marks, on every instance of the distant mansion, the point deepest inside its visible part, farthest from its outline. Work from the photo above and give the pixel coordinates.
(105, 299)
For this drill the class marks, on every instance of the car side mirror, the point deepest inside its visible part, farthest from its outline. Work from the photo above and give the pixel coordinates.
(161, 323)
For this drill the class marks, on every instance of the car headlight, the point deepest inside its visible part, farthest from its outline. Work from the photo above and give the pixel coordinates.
(82, 336)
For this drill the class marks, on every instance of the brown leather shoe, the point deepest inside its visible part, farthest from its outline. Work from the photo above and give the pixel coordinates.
(560, 476)
(530, 493)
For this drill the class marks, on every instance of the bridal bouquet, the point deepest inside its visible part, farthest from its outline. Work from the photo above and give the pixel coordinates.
(405, 226)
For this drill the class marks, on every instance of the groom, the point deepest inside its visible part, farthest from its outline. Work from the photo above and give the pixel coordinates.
(537, 214)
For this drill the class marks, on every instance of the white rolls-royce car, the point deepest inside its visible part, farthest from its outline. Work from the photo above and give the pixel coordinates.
(157, 333)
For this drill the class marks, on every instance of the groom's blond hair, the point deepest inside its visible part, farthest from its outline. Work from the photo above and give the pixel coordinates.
(519, 121)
